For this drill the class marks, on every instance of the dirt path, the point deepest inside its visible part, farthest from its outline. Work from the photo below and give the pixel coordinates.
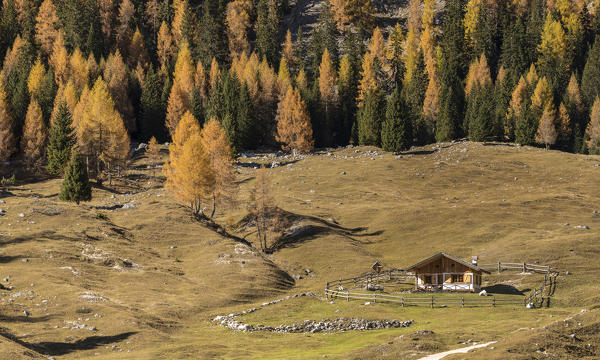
(464, 350)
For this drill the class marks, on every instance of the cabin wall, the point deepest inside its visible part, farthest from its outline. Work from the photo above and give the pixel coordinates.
(442, 265)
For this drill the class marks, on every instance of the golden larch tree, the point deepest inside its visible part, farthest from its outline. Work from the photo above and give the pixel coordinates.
(100, 129)
(515, 106)
(478, 75)
(137, 51)
(214, 74)
(188, 170)
(189, 176)
(184, 70)
(268, 82)
(412, 40)
(178, 16)
(574, 94)
(35, 135)
(46, 27)
(201, 80)
(12, 56)
(294, 128)
(542, 95)
(302, 81)
(284, 79)
(7, 138)
(153, 154)
(369, 77)
(238, 22)
(79, 70)
(288, 52)
(546, 132)
(164, 46)
(327, 81)
(377, 46)
(67, 94)
(592, 131)
(115, 75)
(338, 9)
(36, 77)
(59, 60)
(470, 21)
(563, 124)
(107, 13)
(125, 19)
(217, 147)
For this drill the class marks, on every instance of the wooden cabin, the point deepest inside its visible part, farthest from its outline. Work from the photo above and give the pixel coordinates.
(444, 272)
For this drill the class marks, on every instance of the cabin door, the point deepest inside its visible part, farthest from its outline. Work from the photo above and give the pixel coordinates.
(440, 279)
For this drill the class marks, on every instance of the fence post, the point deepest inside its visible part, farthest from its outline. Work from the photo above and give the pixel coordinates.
(432, 302)
(347, 295)
(499, 269)
(327, 291)
(493, 301)
(524, 268)
(403, 301)
(462, 301)
(374, 298)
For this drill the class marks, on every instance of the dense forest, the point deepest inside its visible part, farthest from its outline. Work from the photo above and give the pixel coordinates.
(96, 75)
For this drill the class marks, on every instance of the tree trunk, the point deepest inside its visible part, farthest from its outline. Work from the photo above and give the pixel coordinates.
(214, 206)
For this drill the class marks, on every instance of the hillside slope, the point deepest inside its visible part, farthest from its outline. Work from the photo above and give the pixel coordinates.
(144, 280)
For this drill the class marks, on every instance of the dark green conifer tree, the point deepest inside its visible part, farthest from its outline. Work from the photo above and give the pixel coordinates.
(325, 36)
(60, 141)
(452, 72)
(76, 185)
(46, 94)
(211, 31)
(267, 31)
(250, 135)
(526, 125)
(516, 52)
(9, 26)
(480, 123)
(590, 80)
(414, 94)
(396, 130)
(370, 115)
(152, 109)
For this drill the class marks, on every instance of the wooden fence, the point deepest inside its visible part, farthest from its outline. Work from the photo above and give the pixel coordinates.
(524, 267)
(537, 297)
(429, 301)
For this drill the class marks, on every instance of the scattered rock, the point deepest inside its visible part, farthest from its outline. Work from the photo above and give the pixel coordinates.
(373, 287)
(567, 273)
(483, 293)
(128, 206)
(343, 173)
(368, 303)
(141, 146)
(297, 276)
(21, 215)
(584, 227)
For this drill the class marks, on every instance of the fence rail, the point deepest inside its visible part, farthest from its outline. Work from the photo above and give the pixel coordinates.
(423, 301)
(524, 267)
(537, 297)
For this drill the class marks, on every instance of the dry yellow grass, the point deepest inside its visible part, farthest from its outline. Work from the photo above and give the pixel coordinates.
(160, 276)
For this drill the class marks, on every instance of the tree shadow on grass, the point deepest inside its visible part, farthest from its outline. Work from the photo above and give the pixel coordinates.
(23, 319)
(64, 348)
(5, 259)
(504, 289)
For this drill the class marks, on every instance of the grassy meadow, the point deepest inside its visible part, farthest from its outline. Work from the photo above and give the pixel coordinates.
(146, 281)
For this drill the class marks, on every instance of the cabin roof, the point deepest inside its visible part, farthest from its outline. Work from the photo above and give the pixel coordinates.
(453, 258)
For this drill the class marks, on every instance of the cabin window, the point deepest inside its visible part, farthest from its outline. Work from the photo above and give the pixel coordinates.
(458, 278)
(427, 279)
